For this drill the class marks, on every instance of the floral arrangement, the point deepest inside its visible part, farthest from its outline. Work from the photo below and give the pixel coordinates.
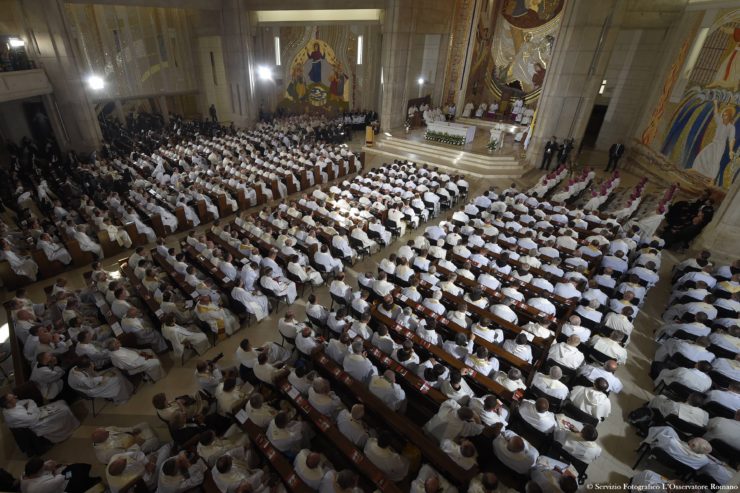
(492, 146)
(444, 138)
(407, 124)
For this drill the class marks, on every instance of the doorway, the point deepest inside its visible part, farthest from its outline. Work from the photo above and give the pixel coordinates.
(594, 126)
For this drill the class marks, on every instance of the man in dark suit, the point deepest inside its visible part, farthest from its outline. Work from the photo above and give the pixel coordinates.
(615, 152)
(564, 151)
(550, 148)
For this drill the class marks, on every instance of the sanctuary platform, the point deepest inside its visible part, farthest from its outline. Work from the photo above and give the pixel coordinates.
(473, 158)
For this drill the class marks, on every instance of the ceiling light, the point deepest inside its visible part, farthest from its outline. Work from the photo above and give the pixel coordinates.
(264, 73)
(95, 82)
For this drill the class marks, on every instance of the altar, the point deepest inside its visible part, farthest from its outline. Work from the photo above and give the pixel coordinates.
(456, 129)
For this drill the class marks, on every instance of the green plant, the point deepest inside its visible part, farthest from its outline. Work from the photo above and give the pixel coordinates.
(444, 138)
(492, 146)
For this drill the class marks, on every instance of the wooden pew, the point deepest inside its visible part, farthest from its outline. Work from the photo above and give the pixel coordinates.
(277, 461)
(443, 322)
(400, 424)
(342, 443)
(441, 355)
(178, 279)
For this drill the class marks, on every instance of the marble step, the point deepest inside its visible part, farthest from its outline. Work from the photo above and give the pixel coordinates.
(480, 165)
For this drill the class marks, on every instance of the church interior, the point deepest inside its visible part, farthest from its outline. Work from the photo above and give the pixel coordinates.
(428, 246)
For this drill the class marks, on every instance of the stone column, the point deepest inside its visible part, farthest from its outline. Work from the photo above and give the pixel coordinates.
(397, 29)
(53, 50)
(120, 115)
(578, 64)
(164, 108)
(239, 63)
(722, 235)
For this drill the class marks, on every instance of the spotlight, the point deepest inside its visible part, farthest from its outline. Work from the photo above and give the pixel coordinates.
(264, 73)
(16, 43)
(421, 81)
(95, 82)
(387, 134)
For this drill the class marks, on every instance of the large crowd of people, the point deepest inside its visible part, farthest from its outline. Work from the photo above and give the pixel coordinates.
(480, 356)
(172, 180)
(693, 422)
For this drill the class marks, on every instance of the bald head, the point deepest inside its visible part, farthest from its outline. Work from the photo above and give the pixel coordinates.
(116, 467)
(99, 435)
(313, 460)
(358, 411)
(515, 445)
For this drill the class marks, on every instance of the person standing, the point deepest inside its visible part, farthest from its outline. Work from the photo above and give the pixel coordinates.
(551, 148)
(564, 151)
(212, 112)
(615, 152)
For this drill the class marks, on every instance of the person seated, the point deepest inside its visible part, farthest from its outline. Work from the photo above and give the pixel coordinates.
(216, 317)
(567, 353)
(592, 400)
(591, 373)
(550, 384)
(695, 379)
(579, 444)
(381, 454)
(689, 411)
(340, 289)
(482, 362)
(288, 326)
(40, 476)
(610, 346)
(234, 442)
(537, 414)
(429, 479)
(109, 384)
(327, 262)
(503, 310)
(181, 473)
(53, 421)
(350, 424)
(514, 452)
(191, 406)
(287, 435)
(232, 473)
(519, 347)
(344, 481)
(692, 351)
(323, 399)
(724, 430)
(385, 388)
(134, 361)
(453, 421)
(311, 467)
(113, 440)
(126, 467)
(231, 397)
(358, 365)
(549, 474)
(455, 387)
(694, 453)
(48, 375)
(268, 372)
(512, 379)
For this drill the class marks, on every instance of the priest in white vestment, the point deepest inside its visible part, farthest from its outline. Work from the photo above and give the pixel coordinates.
(113, 440)
(254, 302)
(216, 317)
(53, 250)
(108, 384)
(135, 360)
(181, 336)
(54, 421)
